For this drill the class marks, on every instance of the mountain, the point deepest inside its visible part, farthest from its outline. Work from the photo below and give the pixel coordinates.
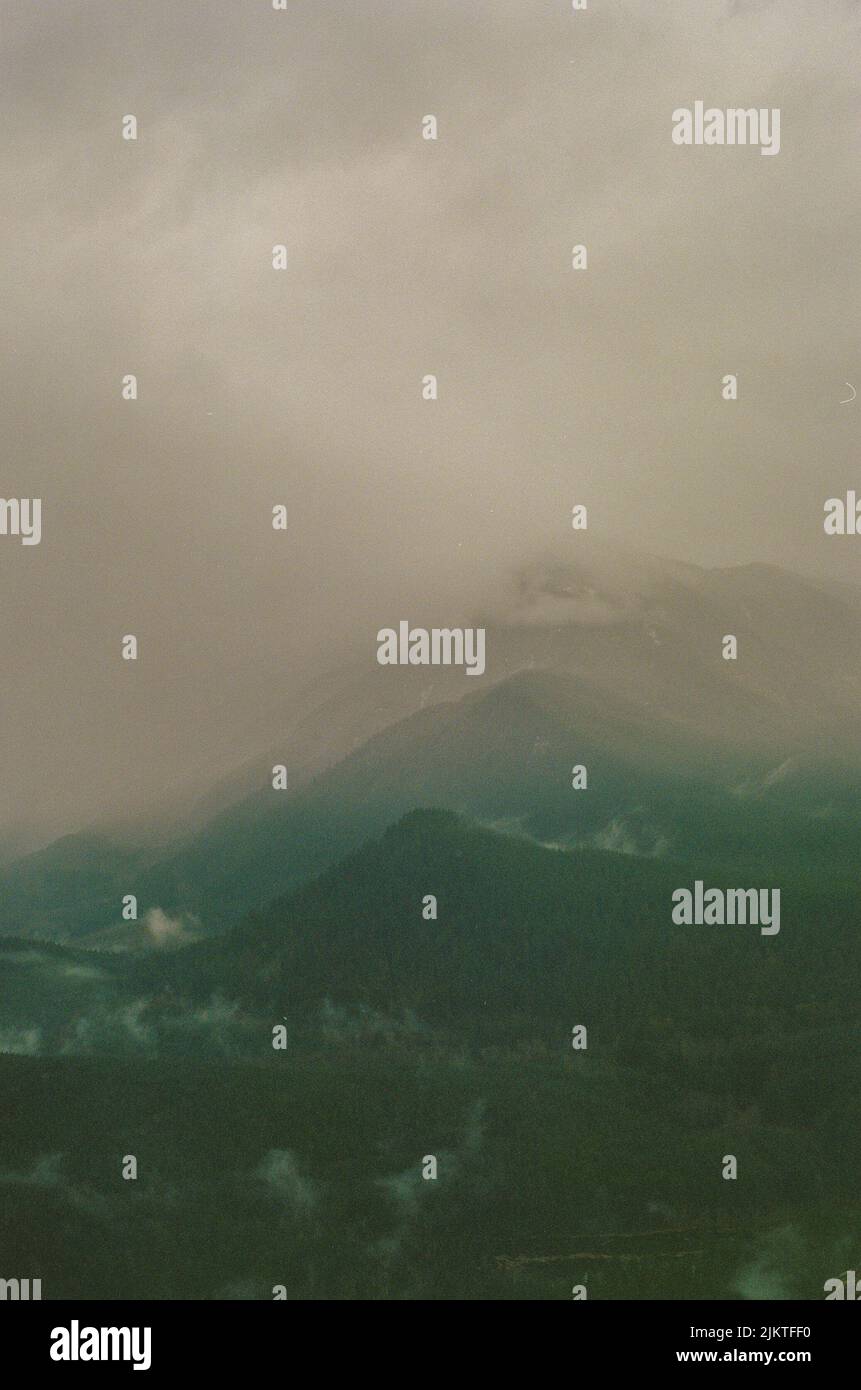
(616, 668)
(533, 939)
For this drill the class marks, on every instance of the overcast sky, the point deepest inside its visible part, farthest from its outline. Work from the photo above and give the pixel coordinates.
(406, 257)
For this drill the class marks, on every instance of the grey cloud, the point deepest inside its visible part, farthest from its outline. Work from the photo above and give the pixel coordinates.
(405, 257)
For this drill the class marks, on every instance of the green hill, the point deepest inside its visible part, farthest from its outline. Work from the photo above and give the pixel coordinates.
(408, 1037)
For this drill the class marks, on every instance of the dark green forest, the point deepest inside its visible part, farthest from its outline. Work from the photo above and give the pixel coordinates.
(300, 1167)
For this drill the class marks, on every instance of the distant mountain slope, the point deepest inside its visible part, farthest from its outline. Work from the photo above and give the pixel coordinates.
(687, 754)
(505, 756)
(77, 882)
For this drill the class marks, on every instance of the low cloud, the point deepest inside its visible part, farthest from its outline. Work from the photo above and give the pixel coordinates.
(280, 1172)
(23, 1042)
(167, 933)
